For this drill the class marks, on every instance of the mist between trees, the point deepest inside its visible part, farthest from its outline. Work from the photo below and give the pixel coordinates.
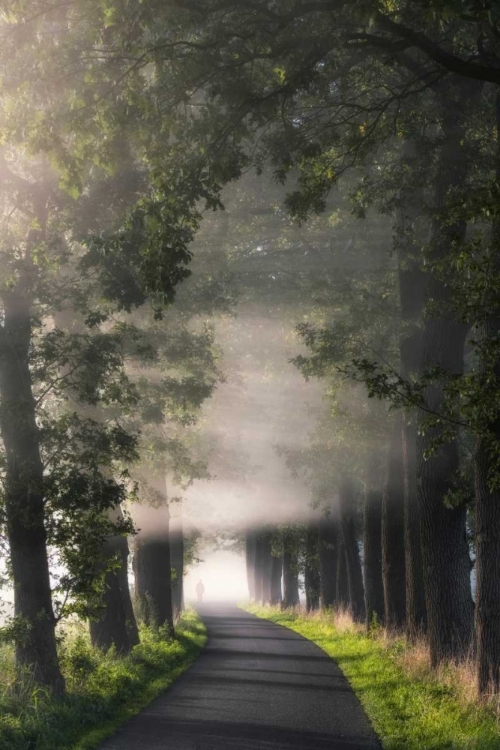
(250, 296)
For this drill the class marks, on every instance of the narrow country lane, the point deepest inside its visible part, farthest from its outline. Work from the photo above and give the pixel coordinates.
(256, 685)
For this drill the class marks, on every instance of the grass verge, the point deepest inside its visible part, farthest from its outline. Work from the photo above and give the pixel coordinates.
(104, 690)
(428, 712)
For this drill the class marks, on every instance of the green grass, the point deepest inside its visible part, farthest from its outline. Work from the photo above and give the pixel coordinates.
(104, 690)
(407, 713)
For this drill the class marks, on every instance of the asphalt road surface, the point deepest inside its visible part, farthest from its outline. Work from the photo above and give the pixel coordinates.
(255, 685)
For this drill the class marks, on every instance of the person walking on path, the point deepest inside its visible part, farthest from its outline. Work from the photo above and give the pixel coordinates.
(200, 590)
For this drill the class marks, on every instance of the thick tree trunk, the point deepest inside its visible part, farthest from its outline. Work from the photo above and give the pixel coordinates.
(311, 569)
(328, 551)
(372, 557)
(176, 534)
(445, 552)
(353, 562)
(487, 573)
(488, 500)
(250, 562)
(116, 625)
(393, 534)
(152, 566)
(24, 501)
(290, 571)
(408, 241)
(276, 573)
(342, 587)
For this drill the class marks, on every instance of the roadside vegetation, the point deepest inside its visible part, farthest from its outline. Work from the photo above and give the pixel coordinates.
(409, 704)
(103, 689)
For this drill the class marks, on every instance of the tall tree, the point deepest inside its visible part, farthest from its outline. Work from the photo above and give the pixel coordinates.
(351, 548)
(328, 552)
(393, 535)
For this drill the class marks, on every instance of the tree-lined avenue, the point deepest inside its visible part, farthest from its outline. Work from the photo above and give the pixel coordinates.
(256, 685)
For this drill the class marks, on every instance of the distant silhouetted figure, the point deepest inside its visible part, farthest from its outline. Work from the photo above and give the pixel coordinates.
(200, 590)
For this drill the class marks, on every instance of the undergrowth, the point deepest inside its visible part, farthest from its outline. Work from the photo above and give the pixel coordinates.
(410, 706)
(103, 690)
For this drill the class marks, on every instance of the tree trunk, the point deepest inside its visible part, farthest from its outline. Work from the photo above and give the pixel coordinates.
(353, 562)
(416, 610)
(372, 557)
(276, 572)
(311, 569)
(487, 573)
(328, 551)
(250, 562)
(152, 566)
(290, 571)
(116, 626)
(445, 552)
(488, 498)
(267, 564)
(393, 534)
(176, 536)
(342, 587)
(258, 565)
(24, 501)
(408, 241)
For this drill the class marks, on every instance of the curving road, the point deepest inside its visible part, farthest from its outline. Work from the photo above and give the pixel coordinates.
(255, 685)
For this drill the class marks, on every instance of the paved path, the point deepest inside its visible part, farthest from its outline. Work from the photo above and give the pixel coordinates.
(255, 685)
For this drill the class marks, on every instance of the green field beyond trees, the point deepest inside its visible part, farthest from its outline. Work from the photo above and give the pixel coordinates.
(408, 711)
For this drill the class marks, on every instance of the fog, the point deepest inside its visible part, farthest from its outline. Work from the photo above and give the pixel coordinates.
(223, 574)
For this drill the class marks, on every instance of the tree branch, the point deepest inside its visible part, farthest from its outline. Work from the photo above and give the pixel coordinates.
(450, 62)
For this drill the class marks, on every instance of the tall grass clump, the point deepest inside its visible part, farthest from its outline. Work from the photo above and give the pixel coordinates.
(103, 689)
(410, 705)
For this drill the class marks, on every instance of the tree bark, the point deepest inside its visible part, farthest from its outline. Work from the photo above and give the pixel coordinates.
(393, 534)
(353, 562)
(487, 572)
(276, 573)
(267, 564)
(152, 567)
(328, 551)
(488, 501)
(342, 587)
(24, 502)
(176, 534)
(290, 571)
(311, 569)
(372, 557)
(250, 562)
(408, 240)
(258, 565)
(116, 626)
(445, 552)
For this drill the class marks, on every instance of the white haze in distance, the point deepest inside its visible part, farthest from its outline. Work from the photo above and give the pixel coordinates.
(264, 403)
(224, 577)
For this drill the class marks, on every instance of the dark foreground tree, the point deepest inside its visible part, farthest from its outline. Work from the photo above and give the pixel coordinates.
(152, 564)
(115, 624)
